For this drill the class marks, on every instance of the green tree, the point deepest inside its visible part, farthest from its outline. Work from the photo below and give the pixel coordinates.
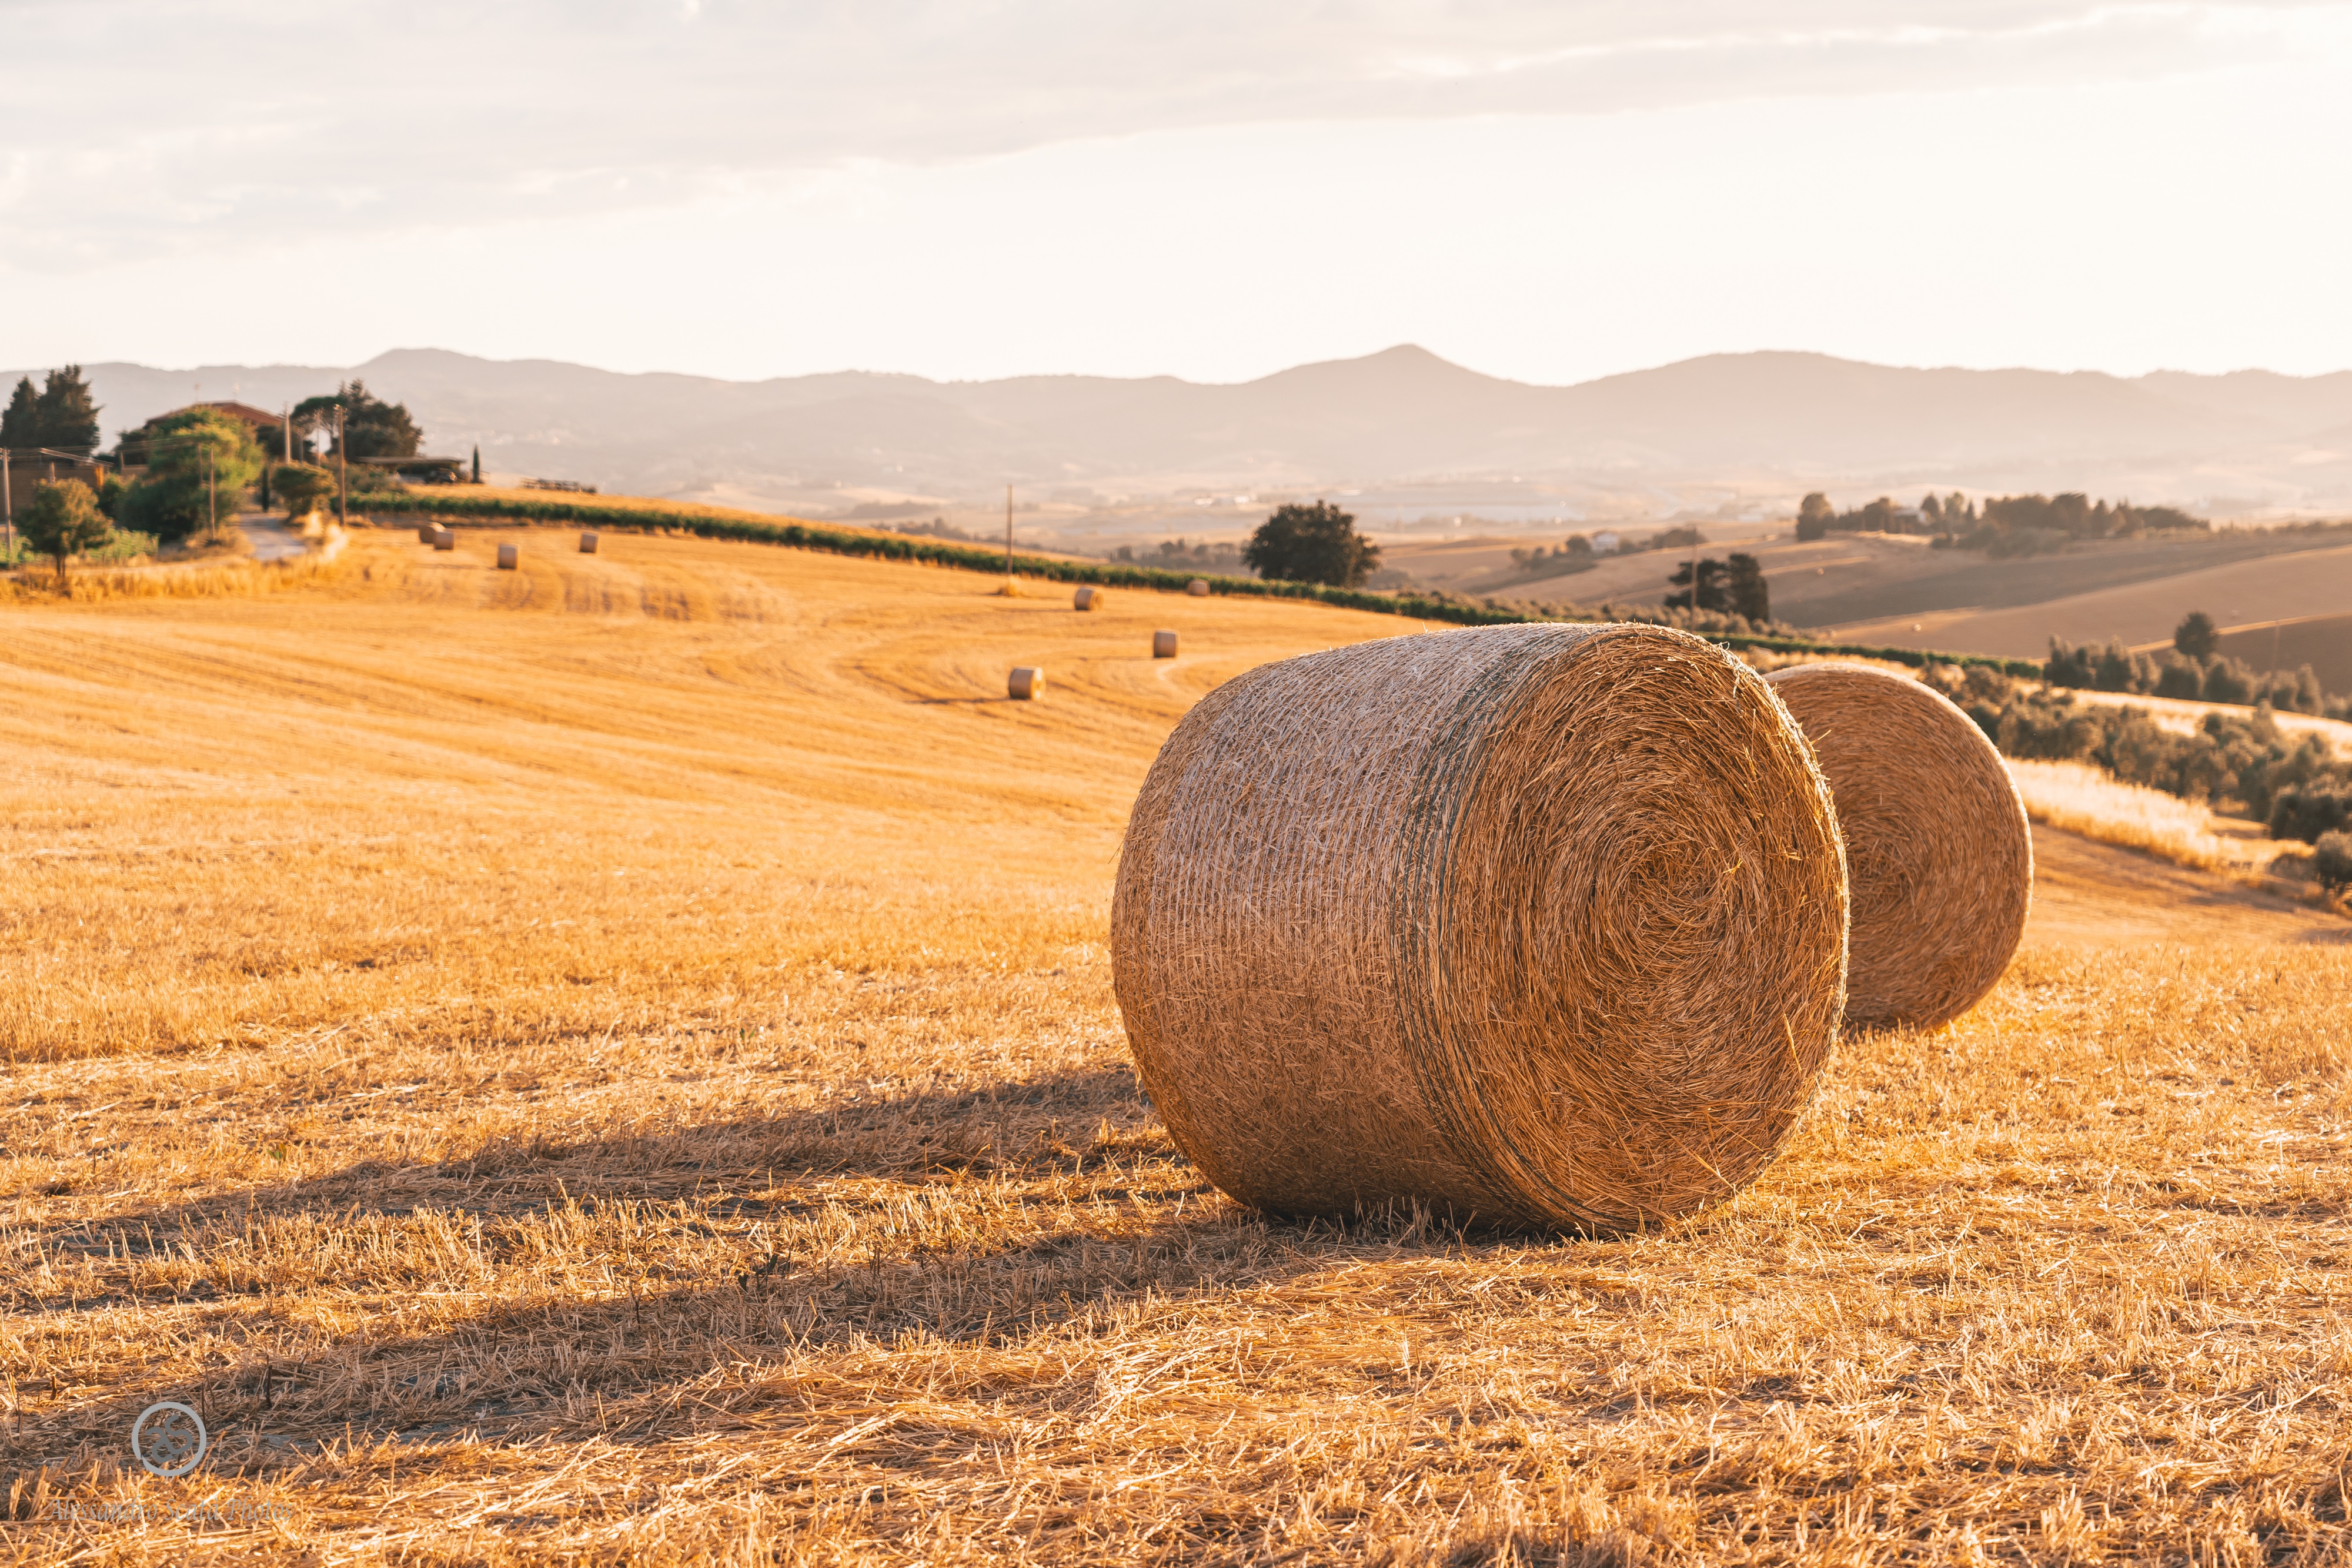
(63, 521)
(172, 499)
(1815, 516)
(1745, 586)
(66, 416)
(1312, 544)
(301, 486)
(20, 425)
(1710, 590)
(2196, 637)
(372, 427)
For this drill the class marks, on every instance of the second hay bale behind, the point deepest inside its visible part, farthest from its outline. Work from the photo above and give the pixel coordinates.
(1939, 857)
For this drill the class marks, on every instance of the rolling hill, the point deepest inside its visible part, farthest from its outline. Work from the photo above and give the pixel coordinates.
(1724, 434)
(617, 1061)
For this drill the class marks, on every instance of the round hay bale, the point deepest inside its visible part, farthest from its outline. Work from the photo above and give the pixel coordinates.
(1530, 924)
(509, 557)
(1027, 684)
(1939, 856)
(588, 543)
(1163, 645)
(444, 539)
(1198, 588)
(424, 532)
(1087, 599)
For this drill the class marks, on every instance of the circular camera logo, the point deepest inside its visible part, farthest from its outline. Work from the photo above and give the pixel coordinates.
(169, 1439)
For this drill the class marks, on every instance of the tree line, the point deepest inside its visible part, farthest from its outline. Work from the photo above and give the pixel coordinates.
(2299, 789)
(2003, 526)
(2194, 668)
(1576, 553)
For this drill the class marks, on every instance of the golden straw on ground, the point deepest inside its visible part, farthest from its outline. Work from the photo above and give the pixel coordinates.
(1531, 923)
(1936, 841)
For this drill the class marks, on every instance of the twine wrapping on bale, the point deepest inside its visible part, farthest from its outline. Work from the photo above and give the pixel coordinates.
(588, 543)
(1087, 599)
(1198, 588)
(1938, 855)
(509, 557)
(1163, 645)
(444, 539)
(1530, 924)
(1027, 684)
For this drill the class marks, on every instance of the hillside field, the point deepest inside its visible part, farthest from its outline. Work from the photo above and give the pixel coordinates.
(615, 1062)
(1896, 592)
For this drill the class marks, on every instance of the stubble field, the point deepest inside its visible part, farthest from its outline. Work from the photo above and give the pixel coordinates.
(615, 1062)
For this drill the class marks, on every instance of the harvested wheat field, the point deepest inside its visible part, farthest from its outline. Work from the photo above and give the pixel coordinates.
(615, 1061)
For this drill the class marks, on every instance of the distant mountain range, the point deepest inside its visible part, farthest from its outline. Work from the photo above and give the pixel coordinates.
(1725, 434)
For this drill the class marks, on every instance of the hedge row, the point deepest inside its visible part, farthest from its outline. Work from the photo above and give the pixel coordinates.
(970, 558)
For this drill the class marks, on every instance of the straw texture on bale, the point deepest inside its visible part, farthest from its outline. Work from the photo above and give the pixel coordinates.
(1938, 855)
(1087, 599)
(1531, 923)
(509, 558)
(588, 543)
(1163, 645)
(1198, 588)
(1027, 684)
(444, 539)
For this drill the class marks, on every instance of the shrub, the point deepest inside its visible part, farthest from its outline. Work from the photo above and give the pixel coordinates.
(301, 486)
(2332, 865)
(2311, 813)
(2179, 678)
(2227, 681)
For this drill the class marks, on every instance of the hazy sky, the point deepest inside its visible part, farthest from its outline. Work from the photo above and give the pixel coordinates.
(1215, 189)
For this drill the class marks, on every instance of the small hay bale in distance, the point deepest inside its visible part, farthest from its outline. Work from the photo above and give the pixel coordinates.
(1087, 599)
(1939, 860)
(424, 532)
(1533, 924)
(588, 543)
(1163, 645)
(444, 539)
(509, 558)
(1198, 588)
(1027, 684)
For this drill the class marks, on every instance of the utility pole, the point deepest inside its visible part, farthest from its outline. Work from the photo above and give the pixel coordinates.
(342, 475)
(1008, 535)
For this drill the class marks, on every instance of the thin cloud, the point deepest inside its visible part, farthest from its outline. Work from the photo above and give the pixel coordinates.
(144, 128)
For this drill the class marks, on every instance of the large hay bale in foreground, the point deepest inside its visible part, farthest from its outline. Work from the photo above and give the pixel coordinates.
(1938, 855)
(1532, 923)
(1027, 684)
